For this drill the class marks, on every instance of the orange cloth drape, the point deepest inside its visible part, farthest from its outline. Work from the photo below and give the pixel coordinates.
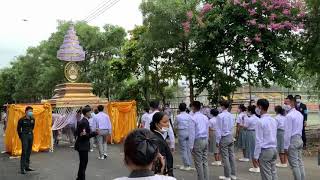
(123, 117)
(42, 129)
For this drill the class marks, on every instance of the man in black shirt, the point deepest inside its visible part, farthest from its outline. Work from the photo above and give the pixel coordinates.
(25, 132)
(302, 108)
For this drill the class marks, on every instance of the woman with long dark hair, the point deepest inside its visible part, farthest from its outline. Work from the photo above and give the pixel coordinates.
(141, 153)
(160, 126)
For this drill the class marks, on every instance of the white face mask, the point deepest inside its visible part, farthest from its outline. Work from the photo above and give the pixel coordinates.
(164, 129)
(258, 111)
(286, 107)
(298, 100)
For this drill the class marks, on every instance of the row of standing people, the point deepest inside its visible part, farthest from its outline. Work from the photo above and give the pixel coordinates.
(260, 135)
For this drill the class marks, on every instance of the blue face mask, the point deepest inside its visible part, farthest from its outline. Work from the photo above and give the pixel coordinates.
(30, 114)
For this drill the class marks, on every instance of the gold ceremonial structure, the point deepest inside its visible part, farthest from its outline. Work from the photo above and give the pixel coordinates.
(73, 94)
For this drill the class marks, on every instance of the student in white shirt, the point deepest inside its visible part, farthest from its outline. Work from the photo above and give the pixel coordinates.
(212, 138)
(281, 118)
(293, 143)
(250, 126)
(144, 117)
(241, 131)
(140, 153)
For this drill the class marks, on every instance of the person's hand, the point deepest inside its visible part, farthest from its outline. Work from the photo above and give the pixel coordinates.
(305, 123)
(162, 161)
(256, 161)
(218, 145)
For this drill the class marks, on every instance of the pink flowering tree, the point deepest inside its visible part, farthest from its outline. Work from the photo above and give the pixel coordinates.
(257, 38)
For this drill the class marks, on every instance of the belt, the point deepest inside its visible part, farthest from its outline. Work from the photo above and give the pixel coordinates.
(297, 135)
(268, 148)
(251, 130)
(26, 133)
(202, 138)
(280, 129)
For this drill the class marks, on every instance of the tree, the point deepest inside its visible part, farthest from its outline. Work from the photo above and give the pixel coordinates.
(310, 54)
(245, 41)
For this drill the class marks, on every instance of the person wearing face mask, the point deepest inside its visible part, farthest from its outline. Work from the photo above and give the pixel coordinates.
(281, 119)
(224, 140)
(241, 131)
(82, 144)
(302, 108)
(265, 153)
(154, 107)
(293, 143)
(25, 131)
(198, 141)
(160, 126)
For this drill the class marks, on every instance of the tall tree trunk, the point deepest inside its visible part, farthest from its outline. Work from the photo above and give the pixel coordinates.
(146, 87)
(191, 86)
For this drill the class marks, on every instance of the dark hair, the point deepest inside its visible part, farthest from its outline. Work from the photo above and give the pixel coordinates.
(196, 105)
(214, 112)
(79, 110)
(224, 103)
(263, 103)
(279, 110)
(28, 108)
(154, 104)
(96, 111)
(100, 108)
(291, 98)
(297, 96)
(85, 110)
(156, 120)
(182, 107)
(242, 107)
(146, 109)
(252, 109)
(140, 147)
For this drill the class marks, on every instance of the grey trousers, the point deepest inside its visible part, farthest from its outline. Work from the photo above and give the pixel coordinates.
(295, 157)
(267, 162)
(200, 154)
(227, 153)
(102, 142)
(184, 147)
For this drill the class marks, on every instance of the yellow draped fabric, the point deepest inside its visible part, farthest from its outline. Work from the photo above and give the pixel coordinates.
(42, 130)
(123, 117)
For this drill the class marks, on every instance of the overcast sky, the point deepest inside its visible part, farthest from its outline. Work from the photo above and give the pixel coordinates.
(17, 35)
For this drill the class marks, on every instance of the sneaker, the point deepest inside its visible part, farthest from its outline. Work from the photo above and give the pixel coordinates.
(187, 168)
(216, 163)
(101, 158)
(225, 178)
(254, 170)
(105, 156)
(244, 159)
(233, 177)
(280, 165)
(91, 150)
(182, 168)
(72, 146)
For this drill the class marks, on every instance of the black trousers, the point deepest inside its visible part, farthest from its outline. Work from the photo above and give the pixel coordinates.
(304, 138)
(26, 141)
(83, 156)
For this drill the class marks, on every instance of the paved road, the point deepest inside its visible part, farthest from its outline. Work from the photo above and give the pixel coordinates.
(63, 163)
